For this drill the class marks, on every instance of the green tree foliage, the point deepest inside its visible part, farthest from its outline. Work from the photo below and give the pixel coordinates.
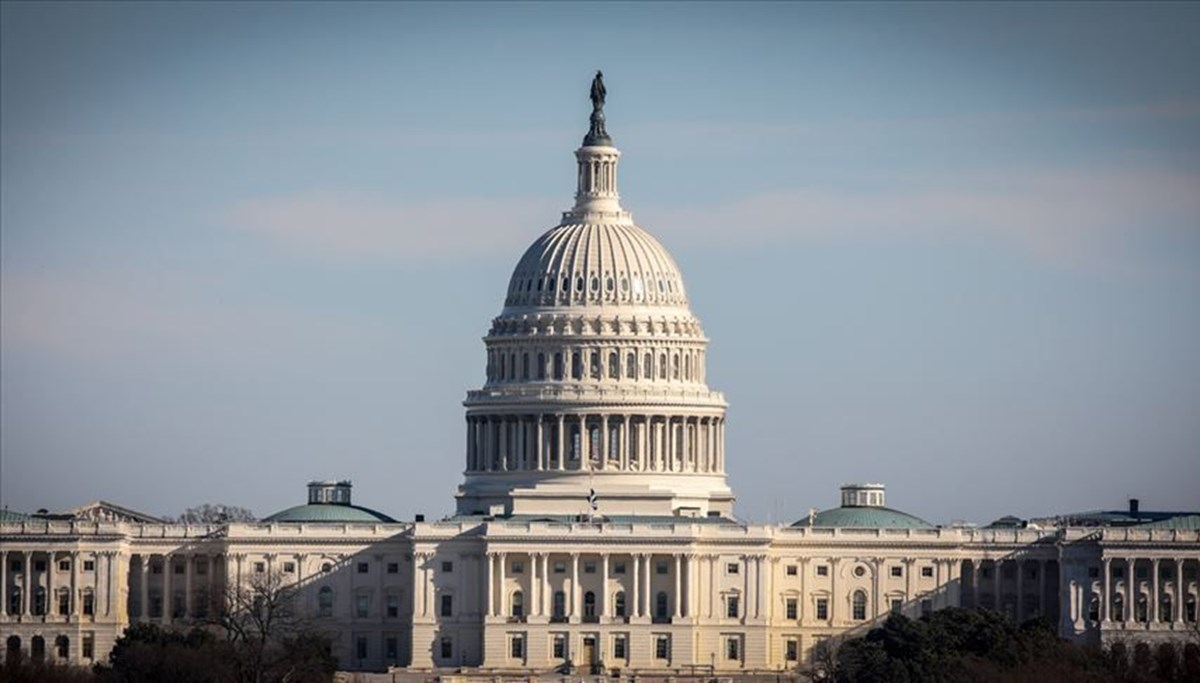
(966, 645)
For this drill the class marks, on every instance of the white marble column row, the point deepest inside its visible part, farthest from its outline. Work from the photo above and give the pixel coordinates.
(84, 589)
(1128, 599)
(620, 442)
(559, 365)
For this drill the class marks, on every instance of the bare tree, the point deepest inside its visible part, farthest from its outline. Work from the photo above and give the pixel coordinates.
(215, 513)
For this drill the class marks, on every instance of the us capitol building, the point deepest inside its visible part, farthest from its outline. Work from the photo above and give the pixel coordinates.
(594, 524)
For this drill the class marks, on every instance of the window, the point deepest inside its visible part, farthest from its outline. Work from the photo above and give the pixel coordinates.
(662, 366)
(325, 602)
(662, 646)
(559, 647)
(1117, 573)
(64, 602)
(518, 604)
(64, 565)
(89, 603)
(558, 609)
(62, 646)
(289, 567)
(619, 648)
(660, 605)
(631, 367)
(391, 648)
(362, 605)
(927, 572)
(447, 648)
(618, 567)
(822, 570)
(447, 609)
(790, 570)
(589, 604)
(660, 568)
(15, 565)
(363, 567)
(558, 366)
(860, 571)
(732, 568)
(589, 567)
(732, 648)
(155, 567)
(648, 367)
(790, 608)
(89, 646)
(897, 604)
(326, 567)
(393, 567)
(822, 608)
(260, 567)
(525, 366)
(791, 649)
(560, 567)
(516, 646)
(897, 571)
(619, 604)
(393, 605)
(731, 606)
(518, 567)
(360, 647)
(614, 365)
(859, 606)
(1093, 572)
(576, 366)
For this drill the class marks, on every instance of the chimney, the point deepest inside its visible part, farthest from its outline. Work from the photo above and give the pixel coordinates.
(1133, 507)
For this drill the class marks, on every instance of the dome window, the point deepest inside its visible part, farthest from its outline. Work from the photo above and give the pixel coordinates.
(579, 284)
(609, 284)
(595, 283)
(660, 286)
(624, 284)
(539, 287)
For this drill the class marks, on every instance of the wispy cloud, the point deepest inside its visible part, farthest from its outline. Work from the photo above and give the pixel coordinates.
(355, 227)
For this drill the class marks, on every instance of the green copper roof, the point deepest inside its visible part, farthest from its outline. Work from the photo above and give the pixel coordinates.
(10, 516)
(1190, 522)
(325, 512)
(866, 518)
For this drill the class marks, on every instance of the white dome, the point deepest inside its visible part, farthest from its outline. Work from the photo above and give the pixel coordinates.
(587, 264)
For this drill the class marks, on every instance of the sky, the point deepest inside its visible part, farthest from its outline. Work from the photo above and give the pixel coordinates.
(949, 247)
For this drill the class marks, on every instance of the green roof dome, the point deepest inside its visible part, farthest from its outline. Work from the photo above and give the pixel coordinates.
(328, 512)
(866, 518)
(329, 501)
(863, 508)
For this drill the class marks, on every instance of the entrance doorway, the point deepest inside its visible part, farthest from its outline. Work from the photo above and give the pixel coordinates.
(589, 653)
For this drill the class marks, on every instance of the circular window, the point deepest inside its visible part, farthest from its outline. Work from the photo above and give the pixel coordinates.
(860, 570)
(326, 567)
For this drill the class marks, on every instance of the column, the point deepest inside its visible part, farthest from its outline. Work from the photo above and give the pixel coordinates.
(976, 565)
(539, 445)
(503, 560)
(677, 599)
(584, 445)
(3, 583)
(168, 599)
(51, 603)
(1154, 597)
(758, 585)
(1106, 591)
(27, 594)
(604, 445)
(188, 602)
(835, 599)
(491, 584)
(110, 579)
(73, 604)
(671, 466)
(690, 590)
(647, 560)
(535, 577)
(747, 586)
(636, 597)
(1180, 599)
(713, 594)
(876, 570)
(561, 454)
(547, 593)
(603, 594)
(573, 610)
(144, 606)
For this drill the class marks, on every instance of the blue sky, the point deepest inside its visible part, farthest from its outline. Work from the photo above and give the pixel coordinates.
(951, 247)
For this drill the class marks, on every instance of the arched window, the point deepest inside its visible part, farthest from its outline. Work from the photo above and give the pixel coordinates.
(525, 365)
(325, 602)
(1094, 609)
(595, 364)
(619, 604)
(1141, 613)
(675, 366)
(558, 609)
(39, 601)
(576, 366)
(1118, 607)
(541, 366)
(660, 605)
(502, 373)
(859, 606)
(1189, 609)
(589, 604)
(512, 366)
(687, 367)
(558, 366)
(662, 366)
(62, 647)
(37, 648)
(1164, 609)
(631, 366)
(14, 600)
(13, 646)
(614, 364)
(518, 604)
(648, 366)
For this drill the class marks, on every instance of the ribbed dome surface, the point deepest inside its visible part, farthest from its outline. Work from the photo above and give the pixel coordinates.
(866, 517)
(584, 264)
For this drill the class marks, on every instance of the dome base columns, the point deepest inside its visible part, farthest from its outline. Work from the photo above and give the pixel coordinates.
(624, 494)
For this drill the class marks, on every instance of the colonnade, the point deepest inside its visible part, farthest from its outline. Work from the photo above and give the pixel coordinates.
(681, 362)
(1137, 590)
(1031, 592)
(621, 442)
(32, 592)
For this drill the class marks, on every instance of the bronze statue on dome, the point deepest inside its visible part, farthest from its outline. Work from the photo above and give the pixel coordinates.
(598, 91)
(597, 135)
